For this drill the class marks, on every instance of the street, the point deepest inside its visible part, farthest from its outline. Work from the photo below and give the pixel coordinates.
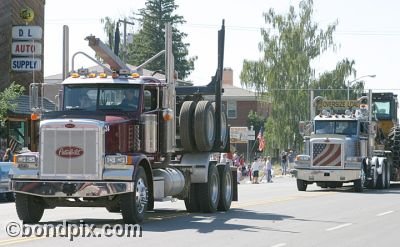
(273, 214)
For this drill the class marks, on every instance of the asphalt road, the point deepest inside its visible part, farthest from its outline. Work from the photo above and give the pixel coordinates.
(274, 214)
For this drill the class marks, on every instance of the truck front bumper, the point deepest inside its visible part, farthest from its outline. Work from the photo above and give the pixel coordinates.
(327, 175)
(71, 188)
(4, 186)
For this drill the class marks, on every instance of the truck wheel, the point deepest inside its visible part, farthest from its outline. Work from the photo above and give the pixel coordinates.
(301, 185)
(374, 177)
(381, 181)
(30, 209)
(226, 186)
(134, 204)
(204, 126)
(10, 196)
(224, 128)
(209, 193)
(359, 183)
(192, 201)
(387, 181)
(186, 126)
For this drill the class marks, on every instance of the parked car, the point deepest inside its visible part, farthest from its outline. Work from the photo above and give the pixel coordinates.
(4, 181)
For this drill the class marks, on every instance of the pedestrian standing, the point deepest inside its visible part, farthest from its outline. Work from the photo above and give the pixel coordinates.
(268, 166)
(264, 168)
(255, 169)
(291, 157)
(284, 162)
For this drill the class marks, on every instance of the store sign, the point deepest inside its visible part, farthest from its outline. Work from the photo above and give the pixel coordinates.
(238, 134)
(26, 64)
(26, 48)
(27, 32)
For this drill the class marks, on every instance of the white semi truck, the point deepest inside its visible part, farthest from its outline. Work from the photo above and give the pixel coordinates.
(341, 147)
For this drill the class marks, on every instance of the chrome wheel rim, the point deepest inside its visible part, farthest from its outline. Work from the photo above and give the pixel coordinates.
(214, 189)
(228, 186)
(141, 195)
(210, 128)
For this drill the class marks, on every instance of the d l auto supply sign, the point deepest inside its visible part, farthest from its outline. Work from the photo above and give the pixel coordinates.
(26, 48)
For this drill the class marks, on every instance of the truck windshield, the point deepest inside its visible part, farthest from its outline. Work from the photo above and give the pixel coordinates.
(101, 97)
(383, 109)
(336, 127)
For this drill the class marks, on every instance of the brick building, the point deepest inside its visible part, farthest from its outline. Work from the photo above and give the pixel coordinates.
(238, 103)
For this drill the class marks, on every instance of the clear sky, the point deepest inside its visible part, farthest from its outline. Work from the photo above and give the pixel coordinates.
(368, 32)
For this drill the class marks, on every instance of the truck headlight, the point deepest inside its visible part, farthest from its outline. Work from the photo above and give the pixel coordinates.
(303, 157)
(27, 159)
(116, 160)
(354, 159)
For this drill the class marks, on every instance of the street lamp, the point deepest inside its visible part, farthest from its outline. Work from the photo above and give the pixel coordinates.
(349, 83)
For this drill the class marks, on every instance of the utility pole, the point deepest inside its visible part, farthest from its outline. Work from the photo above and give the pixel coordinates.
(125, 22)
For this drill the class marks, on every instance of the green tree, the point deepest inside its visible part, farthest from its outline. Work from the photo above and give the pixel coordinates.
(6, 97)
(150, 39)
(289, 45)
(109, 29)
(255, 120)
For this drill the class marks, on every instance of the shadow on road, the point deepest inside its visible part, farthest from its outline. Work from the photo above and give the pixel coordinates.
(225, 221)
(394, 189)
(159, 221)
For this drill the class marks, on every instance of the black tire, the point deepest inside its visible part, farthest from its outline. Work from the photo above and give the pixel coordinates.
(381, 181)
(192, 201)
(134, 204)
(224, 128)
(226, 187)
(393, 144)
(359, 183)
(10, 196)
(301, 185)
(387, 181)
(186, 131)
(30, 209)
(209, 192)
(358, 187)
(204, 126)
(372, 184)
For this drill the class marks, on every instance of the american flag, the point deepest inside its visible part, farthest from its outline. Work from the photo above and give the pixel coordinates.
(260, 138)
(326, 154)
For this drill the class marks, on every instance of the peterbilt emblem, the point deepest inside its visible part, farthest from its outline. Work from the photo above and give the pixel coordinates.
(69, 125)
(69, 152)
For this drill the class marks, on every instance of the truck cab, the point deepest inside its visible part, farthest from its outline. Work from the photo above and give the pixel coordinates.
(336, 149)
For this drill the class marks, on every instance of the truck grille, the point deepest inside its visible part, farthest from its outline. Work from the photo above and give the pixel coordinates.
(326, 154)
(71, 153)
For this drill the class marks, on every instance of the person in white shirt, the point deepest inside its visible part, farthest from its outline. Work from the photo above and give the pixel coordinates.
(255, 167)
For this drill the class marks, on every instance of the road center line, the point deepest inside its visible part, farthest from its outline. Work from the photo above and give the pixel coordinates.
(385, 213)
(338, 227)
(279, 245)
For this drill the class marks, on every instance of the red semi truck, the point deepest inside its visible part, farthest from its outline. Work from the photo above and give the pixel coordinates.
(99, 150)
